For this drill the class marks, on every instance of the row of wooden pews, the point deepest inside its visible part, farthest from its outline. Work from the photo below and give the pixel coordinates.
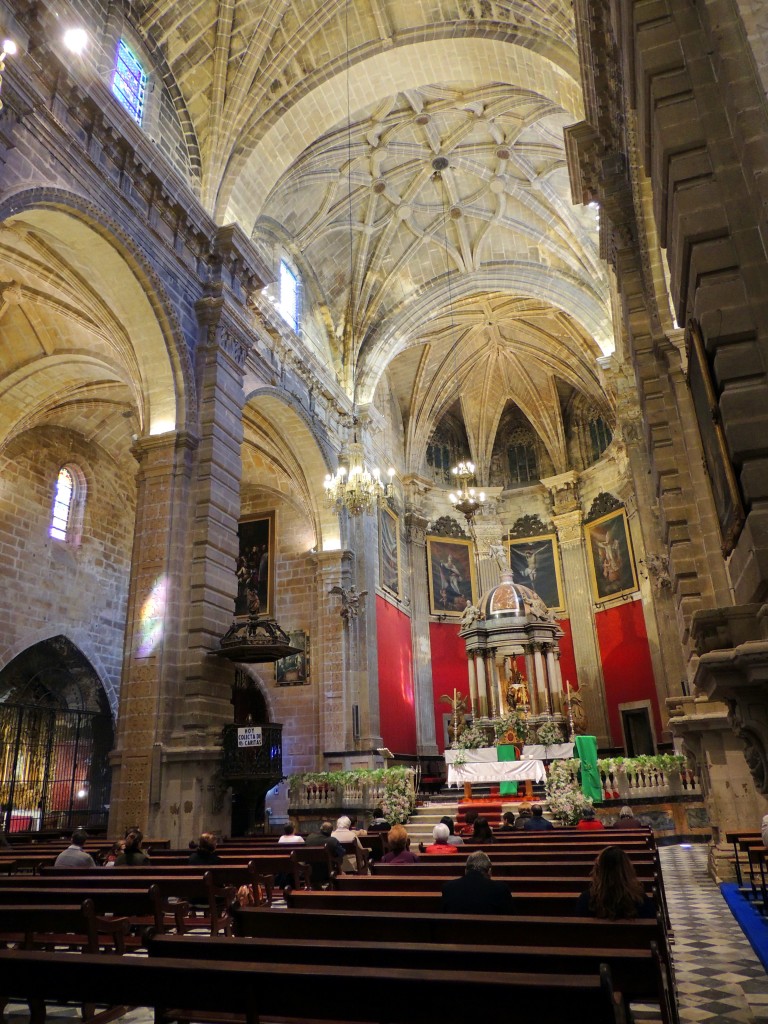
(354, 952)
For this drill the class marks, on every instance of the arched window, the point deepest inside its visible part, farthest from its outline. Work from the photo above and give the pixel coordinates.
(289, 296)
(600, 437)
(68, 504)
(129, 81)
(522, 457)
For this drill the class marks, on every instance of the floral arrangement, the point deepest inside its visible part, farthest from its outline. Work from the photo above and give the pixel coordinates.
(549, 733)
(644, 762)
(473, 737)
(565, 799)
(513, 722)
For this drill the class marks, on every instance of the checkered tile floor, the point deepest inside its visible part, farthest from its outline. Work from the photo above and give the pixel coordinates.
(719, 978)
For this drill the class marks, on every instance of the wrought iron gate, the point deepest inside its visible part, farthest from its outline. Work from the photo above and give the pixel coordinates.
(54, 768)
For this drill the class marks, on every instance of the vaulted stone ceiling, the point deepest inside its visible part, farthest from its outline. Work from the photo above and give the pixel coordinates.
(441, 216)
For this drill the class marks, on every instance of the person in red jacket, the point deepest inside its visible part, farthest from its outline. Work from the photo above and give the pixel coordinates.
(588, 821)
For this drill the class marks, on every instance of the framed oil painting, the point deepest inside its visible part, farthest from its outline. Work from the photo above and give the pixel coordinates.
(451, 574)
(389, 551)
(535, 563)
(725, 487)
(256, 565)
(293, 670)
(609, 551)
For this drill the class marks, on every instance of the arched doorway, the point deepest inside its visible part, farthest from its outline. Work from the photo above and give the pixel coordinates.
(55, 737)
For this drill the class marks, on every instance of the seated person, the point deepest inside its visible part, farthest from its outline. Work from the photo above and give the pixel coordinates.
(206, 850)
(764, 830)
(399, 842)
(290, 836)
(537, 822)
(75, 856)
(627, 819)
(588, 821)
(324, 837)
(507, 822)
(469, 822)
(525, 815)
(482, 831)
(440, 835)
(614, 890)
(379, 823)
(132, 854)
(453, 839)
(476, 892)
(344, 833)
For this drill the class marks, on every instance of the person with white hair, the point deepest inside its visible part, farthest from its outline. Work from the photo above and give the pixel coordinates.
(627, 819)
(440, 834)
(764, 830)
(344, 834)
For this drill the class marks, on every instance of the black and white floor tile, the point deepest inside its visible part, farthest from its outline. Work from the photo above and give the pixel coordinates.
(719, 978)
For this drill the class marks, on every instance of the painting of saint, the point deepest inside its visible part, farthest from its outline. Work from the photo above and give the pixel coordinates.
(612, 567)
(535, 563)
(255, 566)
(452, 584)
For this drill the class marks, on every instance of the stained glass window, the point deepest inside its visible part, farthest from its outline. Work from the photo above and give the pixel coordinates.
(62, 504)
(600, 437)
(289, 295)
(129, 81)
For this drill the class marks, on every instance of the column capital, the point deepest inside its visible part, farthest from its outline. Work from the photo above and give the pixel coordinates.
(416, 523)
(223, 327)
(568, 526)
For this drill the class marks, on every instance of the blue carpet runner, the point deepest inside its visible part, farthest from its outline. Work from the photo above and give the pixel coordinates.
(752, 923)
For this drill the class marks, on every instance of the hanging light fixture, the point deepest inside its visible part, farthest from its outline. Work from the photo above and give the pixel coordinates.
(466, 499)
(354, 487)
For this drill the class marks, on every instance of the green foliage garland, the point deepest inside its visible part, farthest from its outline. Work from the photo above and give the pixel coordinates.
(397, 802)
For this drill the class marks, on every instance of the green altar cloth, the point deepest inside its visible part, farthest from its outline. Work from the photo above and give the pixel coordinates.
(507, 752)
(586, 748)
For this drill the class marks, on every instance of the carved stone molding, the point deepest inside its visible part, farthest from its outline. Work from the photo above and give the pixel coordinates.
(415, 526)
(568, 526)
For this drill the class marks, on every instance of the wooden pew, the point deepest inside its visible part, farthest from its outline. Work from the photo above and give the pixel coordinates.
(423, 882)
(262, 990)
(637, 973)
(524, 868)
(78, 927)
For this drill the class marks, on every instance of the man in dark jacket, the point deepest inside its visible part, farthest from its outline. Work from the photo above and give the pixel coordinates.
(537, 822)
(476, 892)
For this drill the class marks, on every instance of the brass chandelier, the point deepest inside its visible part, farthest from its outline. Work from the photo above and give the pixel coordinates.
(466, 499)
(357, 488)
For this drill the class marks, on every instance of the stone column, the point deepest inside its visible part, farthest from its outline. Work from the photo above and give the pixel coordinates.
(555, 685)
(530, 671)
(416, 542)
(482, 689)
(578, 600)
(152, 639)
(540, 680)
(473, 698)
(330, 653)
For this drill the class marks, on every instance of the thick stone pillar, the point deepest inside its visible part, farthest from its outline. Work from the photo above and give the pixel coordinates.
(331, 651)
(152, 640)
(578, 600)
(416, 543)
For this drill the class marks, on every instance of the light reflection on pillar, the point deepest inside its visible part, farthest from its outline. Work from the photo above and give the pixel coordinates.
(152, 618)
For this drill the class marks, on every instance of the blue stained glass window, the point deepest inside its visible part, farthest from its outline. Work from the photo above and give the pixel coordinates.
(129, 81)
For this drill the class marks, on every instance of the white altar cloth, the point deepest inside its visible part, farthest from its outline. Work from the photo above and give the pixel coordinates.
(480, 754)
(538, 752)
(494, 771)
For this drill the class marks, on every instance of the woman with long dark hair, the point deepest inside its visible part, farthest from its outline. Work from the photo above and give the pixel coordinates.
(132, 854)
(614, 890)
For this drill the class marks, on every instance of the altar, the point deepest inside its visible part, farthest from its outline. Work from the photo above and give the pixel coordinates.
(482, 765)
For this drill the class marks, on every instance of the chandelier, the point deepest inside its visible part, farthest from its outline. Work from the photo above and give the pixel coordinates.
(357, 488)
(466, 499)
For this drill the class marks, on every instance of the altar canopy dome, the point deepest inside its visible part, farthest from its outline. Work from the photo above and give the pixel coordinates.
(510, 599)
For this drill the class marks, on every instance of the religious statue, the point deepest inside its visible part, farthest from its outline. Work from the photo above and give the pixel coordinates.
(517, 688)
(577, 715)
(497, 554)
(470, 615)
(535, 607)
(458, 723)
(351, 601)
